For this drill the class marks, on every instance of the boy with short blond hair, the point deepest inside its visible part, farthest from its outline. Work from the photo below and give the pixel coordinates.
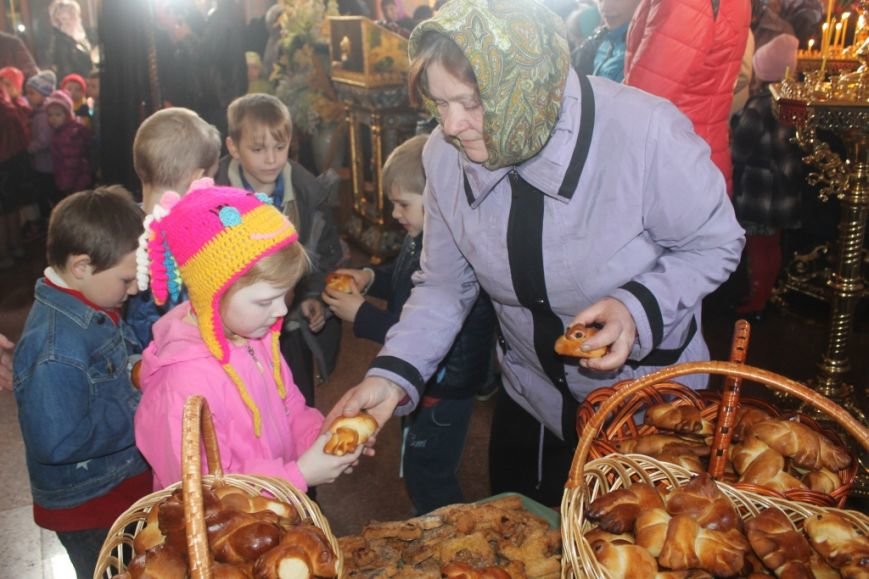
(173, 147)
(72, 367)
(260, 132)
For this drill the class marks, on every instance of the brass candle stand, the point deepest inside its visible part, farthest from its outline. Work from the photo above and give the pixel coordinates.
(839, 105)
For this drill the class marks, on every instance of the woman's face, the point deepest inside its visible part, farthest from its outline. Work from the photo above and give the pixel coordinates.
(460, 111)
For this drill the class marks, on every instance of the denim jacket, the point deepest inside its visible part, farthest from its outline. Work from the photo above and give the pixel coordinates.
(75, 400)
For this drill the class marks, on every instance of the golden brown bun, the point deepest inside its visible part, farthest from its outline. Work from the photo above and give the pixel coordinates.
(237, 537)
(655, 444)
(690, 546)
(822, 480)
(807, 448)
(701, 500)
(761, 465)
(651, 530)
(781, 547)
(682, 455)
(679, 418)
(350, 432)
(839, 543)
(286, 561)
(617, 511)
(340, 282)
(160, 562)
(570, 344)
(315, 546)
(625, 561)
(746, 417)
(235, 499)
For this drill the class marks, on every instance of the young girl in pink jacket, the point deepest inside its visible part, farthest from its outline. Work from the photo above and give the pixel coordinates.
(238, 258)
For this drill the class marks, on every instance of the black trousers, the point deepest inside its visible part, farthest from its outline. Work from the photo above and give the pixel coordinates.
(516, 461)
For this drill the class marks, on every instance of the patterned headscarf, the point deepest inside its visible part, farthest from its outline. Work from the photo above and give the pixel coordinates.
(519, 54)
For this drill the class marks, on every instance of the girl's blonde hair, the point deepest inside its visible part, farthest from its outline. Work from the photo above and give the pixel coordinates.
(284, 267)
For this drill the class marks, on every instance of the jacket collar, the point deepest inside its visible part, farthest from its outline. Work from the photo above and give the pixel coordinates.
(66, 304)
(548, 171)
(233, 173)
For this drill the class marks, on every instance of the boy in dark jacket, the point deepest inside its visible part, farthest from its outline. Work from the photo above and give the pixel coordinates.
(436, 435)
(70, 145)
(260, 132)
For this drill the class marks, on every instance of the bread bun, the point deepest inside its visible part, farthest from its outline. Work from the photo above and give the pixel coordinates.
(340, 282)
(350, 432)
(570, 344)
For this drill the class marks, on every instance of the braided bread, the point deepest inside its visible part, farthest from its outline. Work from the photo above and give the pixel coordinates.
(807, 448)
(759, 464)
(701, 500)
(617, 511)
(690, 546)
(781, 548)
(839, 543)
(679, 418)
(625, 561)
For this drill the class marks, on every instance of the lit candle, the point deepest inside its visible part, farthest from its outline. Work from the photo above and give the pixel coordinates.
(811, 45)
(825, 37)
(787, 73)
(845, 17)
(829, 11)
(838, 36)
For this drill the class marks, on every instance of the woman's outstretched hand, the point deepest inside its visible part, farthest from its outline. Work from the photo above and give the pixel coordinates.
(378, 396)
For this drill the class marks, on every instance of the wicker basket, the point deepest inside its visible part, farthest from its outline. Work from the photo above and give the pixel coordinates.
(719, 408)
(587, 481)
(198, 430)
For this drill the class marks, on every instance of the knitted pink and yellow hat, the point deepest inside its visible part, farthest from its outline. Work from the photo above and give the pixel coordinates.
(206, 241)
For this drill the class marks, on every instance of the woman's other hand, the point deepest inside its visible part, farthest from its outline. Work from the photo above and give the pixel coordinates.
(618, 332)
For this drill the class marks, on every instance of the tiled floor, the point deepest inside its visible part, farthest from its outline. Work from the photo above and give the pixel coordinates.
(783, 342)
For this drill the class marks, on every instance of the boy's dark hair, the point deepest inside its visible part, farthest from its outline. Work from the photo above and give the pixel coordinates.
(262, 109)
(103, 223)
(403, 167)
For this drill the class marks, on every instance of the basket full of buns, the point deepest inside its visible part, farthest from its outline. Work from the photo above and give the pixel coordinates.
(744, 441)
(630, 515)
(219, 525)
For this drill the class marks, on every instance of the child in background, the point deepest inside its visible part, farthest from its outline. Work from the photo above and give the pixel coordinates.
(238, 257)
(72, 375)
(70, 145)
(260, 132)
(768, 173)
(173, 148)
(255, 81)
(93, 92)
(36, 89)
(14, 168)
(76, 88)
(12, 80)
(436, 435)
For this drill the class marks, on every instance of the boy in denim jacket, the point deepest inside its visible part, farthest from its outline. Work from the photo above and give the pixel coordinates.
(72, 374)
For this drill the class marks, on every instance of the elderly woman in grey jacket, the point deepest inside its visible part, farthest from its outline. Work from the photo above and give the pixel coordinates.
(568, 200)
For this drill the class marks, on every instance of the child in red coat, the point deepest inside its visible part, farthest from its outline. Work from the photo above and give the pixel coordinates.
(70, 145)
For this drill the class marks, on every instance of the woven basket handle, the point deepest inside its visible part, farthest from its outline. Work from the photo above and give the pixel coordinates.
(775, 381)
(198, 428)
(730, 393)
